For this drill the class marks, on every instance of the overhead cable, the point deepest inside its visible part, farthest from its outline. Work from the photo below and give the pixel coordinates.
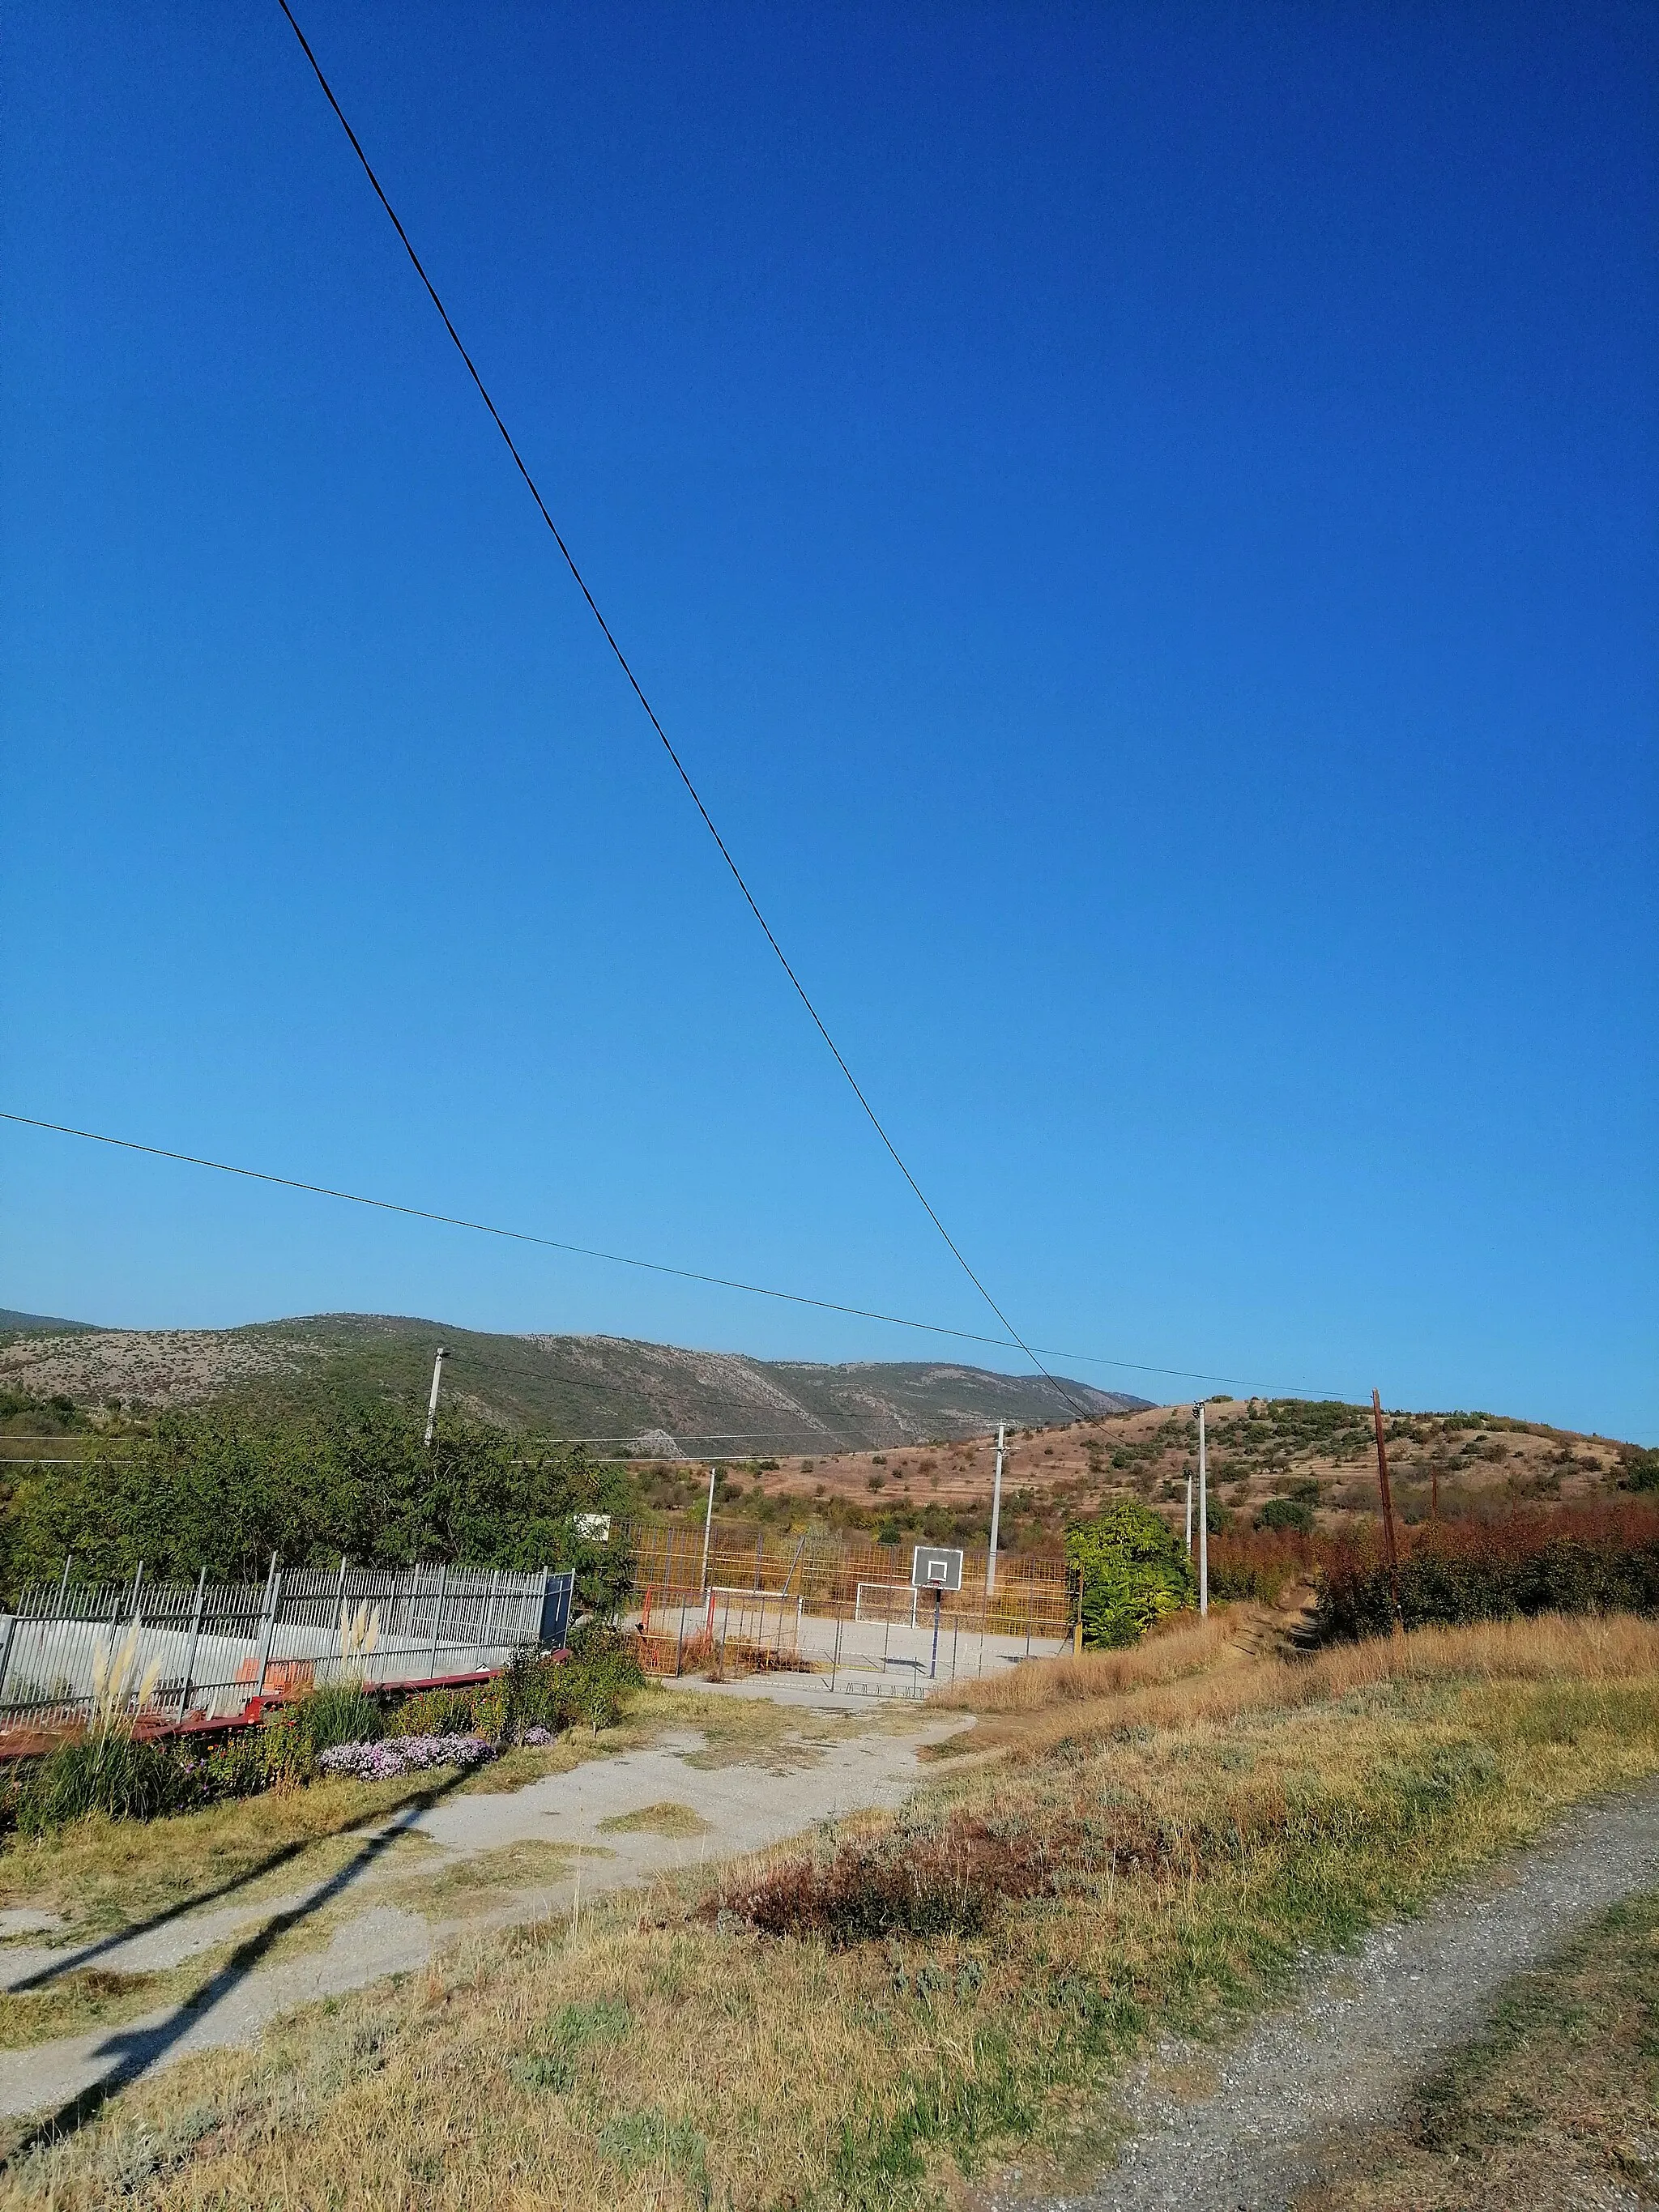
(650, 713)
(623, 1259)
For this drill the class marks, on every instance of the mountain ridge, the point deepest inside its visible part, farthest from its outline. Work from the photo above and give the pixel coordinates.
(620, 1394)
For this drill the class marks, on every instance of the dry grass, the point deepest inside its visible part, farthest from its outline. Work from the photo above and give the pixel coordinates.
(666, 1818)
(1175, 1689)
(1554, 2109)
(1193, 1834)
(1192, 1648)
(103, 1875)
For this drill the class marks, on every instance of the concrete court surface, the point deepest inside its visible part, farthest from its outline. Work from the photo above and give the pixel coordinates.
(746, 1807)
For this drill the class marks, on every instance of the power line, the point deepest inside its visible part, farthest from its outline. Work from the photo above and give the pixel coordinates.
(620, 1259)
(651, 712)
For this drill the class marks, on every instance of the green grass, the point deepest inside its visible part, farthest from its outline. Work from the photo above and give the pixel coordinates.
(1554, 2106)
(1153, 1851)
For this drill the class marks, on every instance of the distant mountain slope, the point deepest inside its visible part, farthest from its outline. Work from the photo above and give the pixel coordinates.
(611, 1390)
(11, 1320)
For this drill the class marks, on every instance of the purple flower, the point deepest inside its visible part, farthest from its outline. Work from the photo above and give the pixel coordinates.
(403, 1754)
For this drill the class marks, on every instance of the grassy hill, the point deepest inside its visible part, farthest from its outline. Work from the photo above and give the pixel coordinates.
(620, 1394)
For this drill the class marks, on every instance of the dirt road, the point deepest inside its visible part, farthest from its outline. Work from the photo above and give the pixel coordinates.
(1258, 2125)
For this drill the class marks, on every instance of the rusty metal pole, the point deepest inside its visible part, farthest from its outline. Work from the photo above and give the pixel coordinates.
(1390, 1547)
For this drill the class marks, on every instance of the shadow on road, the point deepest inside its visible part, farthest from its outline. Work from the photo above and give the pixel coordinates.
(132, 2051)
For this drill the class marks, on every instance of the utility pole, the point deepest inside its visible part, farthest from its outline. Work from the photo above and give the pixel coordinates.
(708, 1531)
(1203, 1523)
(1189, 1513)
(1390, 1548)
(432, 1402)
(996, 1515)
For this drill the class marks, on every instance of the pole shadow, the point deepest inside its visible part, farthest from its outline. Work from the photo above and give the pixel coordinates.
(134, 2051)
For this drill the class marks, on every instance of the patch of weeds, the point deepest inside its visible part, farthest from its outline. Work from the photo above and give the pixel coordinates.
(474, 1884)
(667, 1818)
(551, 2065)
(95, 1997)
(649, 2138)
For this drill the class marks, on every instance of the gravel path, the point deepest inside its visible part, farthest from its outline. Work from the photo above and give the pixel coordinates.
(1271, 2116)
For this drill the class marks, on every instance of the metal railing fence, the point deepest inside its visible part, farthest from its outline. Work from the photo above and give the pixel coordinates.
(202, 1650)
(837, 1603)
(827, 1568)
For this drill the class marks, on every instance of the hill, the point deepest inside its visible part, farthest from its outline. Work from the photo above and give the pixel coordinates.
(622, 1395)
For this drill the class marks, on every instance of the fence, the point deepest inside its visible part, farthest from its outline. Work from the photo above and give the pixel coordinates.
(207, 1649)
(837, 1603)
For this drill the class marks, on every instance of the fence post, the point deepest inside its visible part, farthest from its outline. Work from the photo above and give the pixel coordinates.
(195, 1638)
(63, 1587)
(483, 1645)
(437, 1616)
(137, 1584)
(5, 1653)
(273, 1587)
(836, 1661)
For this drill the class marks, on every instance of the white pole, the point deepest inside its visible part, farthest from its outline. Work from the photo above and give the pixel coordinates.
(432, 1402)
(1203, 1523)
(996, 1517)
(707, 1530)
(1189, 1514)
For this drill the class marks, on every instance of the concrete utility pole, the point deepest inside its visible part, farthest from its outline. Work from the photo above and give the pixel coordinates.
(708, 1529)
(1189, 1513)
(1203, 1523)
(432, 1402)
(996, 1516)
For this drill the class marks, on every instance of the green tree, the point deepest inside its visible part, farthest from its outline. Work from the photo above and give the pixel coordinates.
(1135, 1571)
(1286, 1513)
(224, 1490)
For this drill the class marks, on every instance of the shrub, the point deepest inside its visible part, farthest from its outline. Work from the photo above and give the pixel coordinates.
(293, 1738)
(1286, 1513)
(1588, 1558)
(1639, 1469)
(1134, 1570)
(438, 1713)
(1258, 1564)
(116, 1774)
(591, 1686)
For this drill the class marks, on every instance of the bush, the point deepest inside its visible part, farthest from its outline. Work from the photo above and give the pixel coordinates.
(1639, 1469)
(593, 1686)
(293, 1739)
(117, 1774)
(1134, 1570)
(1591, 1558)
(1258, 1564)
(1286, 1513)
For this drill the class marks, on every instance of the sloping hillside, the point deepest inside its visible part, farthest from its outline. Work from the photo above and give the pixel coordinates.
(615, 1392)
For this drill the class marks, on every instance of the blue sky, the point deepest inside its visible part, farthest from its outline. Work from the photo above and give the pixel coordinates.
(1140, 522)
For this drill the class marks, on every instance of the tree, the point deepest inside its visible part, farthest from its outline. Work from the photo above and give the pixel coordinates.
(1286, 1513)
(1134, 1570)
(224, 1489)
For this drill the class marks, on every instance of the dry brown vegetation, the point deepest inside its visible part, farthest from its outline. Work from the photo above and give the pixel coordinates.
(1165, 1831)
(1255, 1452)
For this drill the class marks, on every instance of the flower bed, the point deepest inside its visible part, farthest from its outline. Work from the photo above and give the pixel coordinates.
(403, 1754)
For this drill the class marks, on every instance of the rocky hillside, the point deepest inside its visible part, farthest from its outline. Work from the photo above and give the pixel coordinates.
(650, 1399)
